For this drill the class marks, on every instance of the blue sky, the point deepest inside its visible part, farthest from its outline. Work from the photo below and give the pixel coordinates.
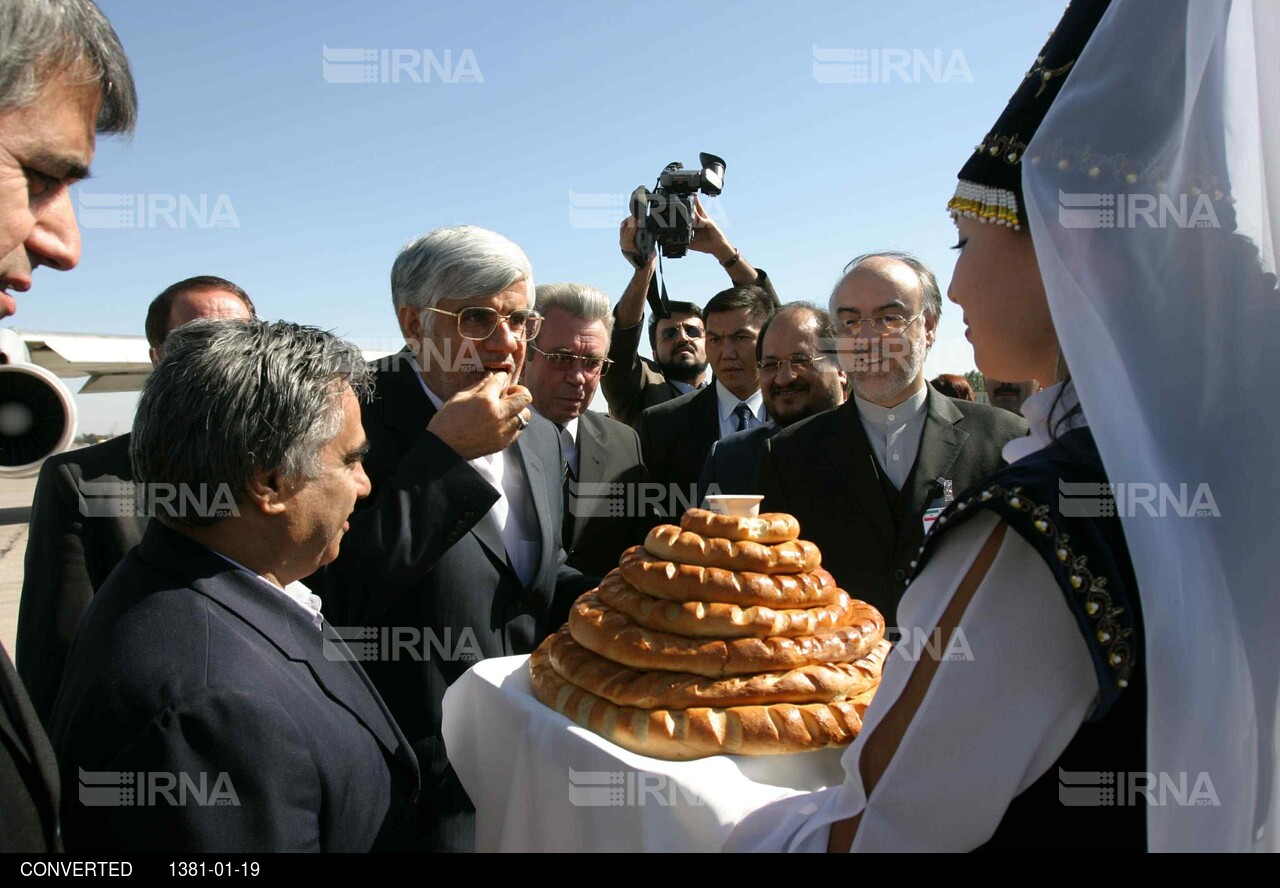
(570, 106)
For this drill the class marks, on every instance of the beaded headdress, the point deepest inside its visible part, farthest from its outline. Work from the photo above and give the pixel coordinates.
(990, 187)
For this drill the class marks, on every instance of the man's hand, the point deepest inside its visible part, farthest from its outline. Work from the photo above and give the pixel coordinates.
(708, 238)
(627, 241)
(484, 418)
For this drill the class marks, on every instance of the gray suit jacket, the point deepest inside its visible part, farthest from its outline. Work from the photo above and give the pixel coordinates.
(822, 470)
(423, 563)
(608, 453)
(70, 553)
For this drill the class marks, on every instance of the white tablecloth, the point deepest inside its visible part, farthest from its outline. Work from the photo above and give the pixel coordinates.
(542, 783)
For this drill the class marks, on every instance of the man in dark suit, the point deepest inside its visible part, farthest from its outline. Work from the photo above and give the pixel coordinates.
(63, 77)
(676, 437)
(458, 548)
(201, 666)
(799, 376)
(863, 478)
(563, 372)
(85, 515)
(679, 364)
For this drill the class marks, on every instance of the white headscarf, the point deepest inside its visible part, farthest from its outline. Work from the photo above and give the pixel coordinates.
(1171, 334)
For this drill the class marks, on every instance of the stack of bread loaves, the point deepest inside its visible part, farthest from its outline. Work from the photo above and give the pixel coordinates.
(723, 635)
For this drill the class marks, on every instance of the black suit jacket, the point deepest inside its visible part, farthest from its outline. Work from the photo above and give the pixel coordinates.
(608, 453)
(822, 471)
(188, 666)
(637, 383)
(70, 552)
(675, 439)
(29, 795)
(424, 560)
(733, 465)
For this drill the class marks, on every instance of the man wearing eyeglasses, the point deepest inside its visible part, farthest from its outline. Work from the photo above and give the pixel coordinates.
(864, 479)
(456, 554)
(799, 377)
(679, 364)
(563, 372)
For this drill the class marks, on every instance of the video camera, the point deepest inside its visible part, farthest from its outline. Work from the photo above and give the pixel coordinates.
(665, 215)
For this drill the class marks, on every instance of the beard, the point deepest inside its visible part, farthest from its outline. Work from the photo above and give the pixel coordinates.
(682, 371)
(890, 386)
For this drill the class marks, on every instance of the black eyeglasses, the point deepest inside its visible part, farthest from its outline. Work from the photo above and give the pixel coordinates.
(564, 362)
(478, 322)
(692, 331)
(796, 363)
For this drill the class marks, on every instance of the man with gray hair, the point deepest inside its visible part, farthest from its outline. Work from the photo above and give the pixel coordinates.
(563, 373)
(72, 547)
(458, 549)
(866, 479)
(63, 77)
(202, 664)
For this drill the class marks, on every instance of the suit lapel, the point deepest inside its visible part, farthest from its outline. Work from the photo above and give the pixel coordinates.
(592, 451)
(849, 457)
(535, 480)
(706, 421)
(940, 446)
(286, 626)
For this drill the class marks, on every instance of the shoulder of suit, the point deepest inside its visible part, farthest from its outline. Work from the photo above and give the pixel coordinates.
(995, 417)
(607, 425)
(818, 427)
(107, 458)
(675, 404)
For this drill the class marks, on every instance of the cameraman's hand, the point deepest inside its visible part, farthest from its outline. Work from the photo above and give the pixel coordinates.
(627, 241)
(707, 236)
(484, 418)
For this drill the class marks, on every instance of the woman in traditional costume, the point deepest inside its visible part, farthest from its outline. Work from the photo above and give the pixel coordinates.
(1116, 681)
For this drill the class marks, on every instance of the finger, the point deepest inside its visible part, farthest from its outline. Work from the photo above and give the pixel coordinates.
(700, 215)
(516, 398)
(495, 384)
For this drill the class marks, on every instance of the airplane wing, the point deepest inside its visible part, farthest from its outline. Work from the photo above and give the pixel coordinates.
(112, 363)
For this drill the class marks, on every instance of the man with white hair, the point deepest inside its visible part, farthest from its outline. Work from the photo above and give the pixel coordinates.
(866, 478)
(63, 78)
(458, 552)
(563, 373)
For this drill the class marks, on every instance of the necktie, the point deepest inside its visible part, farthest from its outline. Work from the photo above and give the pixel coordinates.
(743, 412)
(570, 488)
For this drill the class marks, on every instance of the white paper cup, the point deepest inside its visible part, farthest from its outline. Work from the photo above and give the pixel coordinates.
(736, 506)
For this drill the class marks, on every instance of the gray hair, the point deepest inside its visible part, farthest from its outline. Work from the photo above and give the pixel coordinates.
(41, 38)
(456, 263)
(233, 397)
(581, 301)
(931, 296)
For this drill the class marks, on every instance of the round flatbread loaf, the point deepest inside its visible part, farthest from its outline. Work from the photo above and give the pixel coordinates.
(771, 527)
(654, 689)
(704, 619)
(613, 635)
(670, 542)
(680, 735)
(691, 582)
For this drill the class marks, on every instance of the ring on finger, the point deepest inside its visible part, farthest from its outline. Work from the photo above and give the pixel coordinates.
(521, 422)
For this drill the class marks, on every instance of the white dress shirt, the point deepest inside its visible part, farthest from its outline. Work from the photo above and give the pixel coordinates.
(569, 444)
(297, 592)
(727, 402)
(894, 433)
(514, 512)
(990, 723)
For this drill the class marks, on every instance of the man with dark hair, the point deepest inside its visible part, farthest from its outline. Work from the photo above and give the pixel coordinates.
(202, 665)
(1008, 395)
(63, 77)
(864, 479)
(676, 437)
(202, 296)
(679, 364)
(84, 516)
(799, 377)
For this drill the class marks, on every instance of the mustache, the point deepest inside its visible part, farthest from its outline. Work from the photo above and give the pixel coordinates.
(1008, 390)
